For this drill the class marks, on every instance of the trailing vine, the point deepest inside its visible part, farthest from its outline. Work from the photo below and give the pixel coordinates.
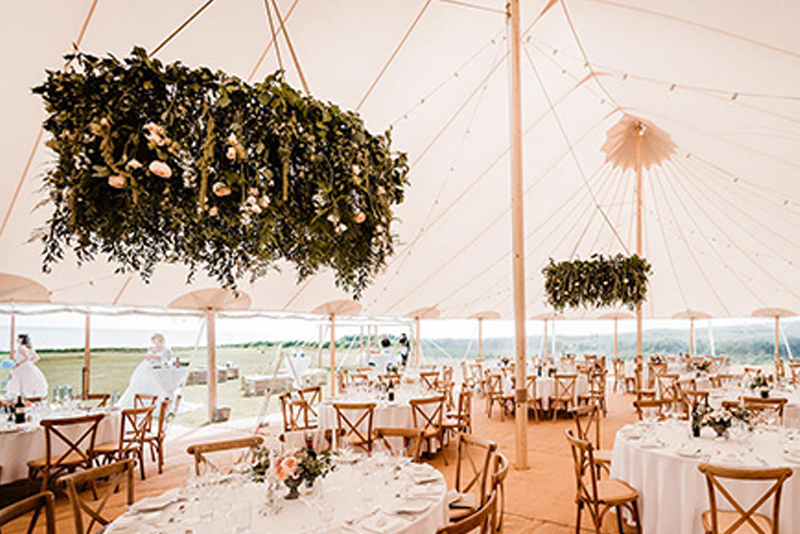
(165, 163)
(598, 282)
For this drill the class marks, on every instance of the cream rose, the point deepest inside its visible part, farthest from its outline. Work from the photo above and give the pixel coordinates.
(221, 189)
(117, 181)
(360, 217)
(159, 168)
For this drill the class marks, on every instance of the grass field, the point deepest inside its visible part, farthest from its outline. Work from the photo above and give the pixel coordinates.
(111, 371)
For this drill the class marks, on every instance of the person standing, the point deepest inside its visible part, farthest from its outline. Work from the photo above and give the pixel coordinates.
(144, 379)
(405, 349)
(26, 380)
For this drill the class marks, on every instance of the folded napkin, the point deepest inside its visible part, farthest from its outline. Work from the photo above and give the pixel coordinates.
(153, 504)
(411, 506)
(382, 523)
(427, 491)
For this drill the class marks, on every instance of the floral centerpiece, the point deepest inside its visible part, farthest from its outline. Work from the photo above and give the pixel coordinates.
(700, 366)
(744, 415)
(302, 465)
(720, 420)
(163, 163)
(761, 384)
(657, 359)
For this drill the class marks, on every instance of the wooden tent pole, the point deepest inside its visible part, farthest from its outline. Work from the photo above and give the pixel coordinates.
(691, 337)
(211, 349)
(518, 231)
(777, 344)
(333, 354)
(615, 338)
(87, 355)
(480, 339)
(361, 343)
(545, 338)
(639, 134)
(417, 340)
(11, 346)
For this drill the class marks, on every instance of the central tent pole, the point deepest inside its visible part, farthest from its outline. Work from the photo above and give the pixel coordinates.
(545, 338)
(87, 355)
(639, 356)
(518, 231)
(333, 354)
(11, 345)
(211, 349)
(480, 339)
(615, 339)
(691, 337)
(777, 343)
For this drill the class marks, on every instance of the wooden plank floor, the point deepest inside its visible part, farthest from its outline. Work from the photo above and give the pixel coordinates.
(540, 500)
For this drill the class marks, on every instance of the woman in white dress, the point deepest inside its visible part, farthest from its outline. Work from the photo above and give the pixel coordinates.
(26, 379)
(143, 379)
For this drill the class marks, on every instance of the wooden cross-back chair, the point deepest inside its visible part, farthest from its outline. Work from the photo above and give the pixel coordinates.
(496, 395)
(691, 397)
(750, 373)
(200, 451)
(359, 379)
(499, 474)
(343, 378)
(764, 409)
(389, 378)
(156, 439)
(460, 420)
(479, 381)
(481, 521)
(312, 397)
(32, 505)
(721, 380)
(666, 386)
(653, 370)
(651, 407)
(411, 438)
(133, 428)
(716, 521)
(794, 373)
(587, 425)
(563, 393)
(467, 378)
(114, 476)
(596, 379)
(100, 399)
(473, 465)
(429, 379)
(427, 414)
(298, 413)
(619, 374)
(535, 401)
(598, 498)
(78, 451)
(354, 423)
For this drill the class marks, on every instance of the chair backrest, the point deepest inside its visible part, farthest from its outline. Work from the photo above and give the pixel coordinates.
(565, 385)
(163, 415)
(465, 409)
(300, 413)
(494, 384)
(587, 420)
(142, 400)
(343, 377)
(101, 399)
(481, 521)
(716, 473)
(386, 379)
(499, 474)
(59, 431)
(354, 422)
(200, 451)
(651, 408)
(359, 379)
(32, 505)
(619, 368)
(585, 476)
(429, 378)
(530, 385)
(473, 465)
(765, 409)
(667, 384)
(794, 373)
(311, 397)
(113, 476)
(427, 413)
(133, 427)
(412, 440)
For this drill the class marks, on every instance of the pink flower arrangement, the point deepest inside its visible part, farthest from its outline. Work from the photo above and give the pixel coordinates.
(116, 181)
(221, 189)
(360, 217)
(159, 168)
(286, 466)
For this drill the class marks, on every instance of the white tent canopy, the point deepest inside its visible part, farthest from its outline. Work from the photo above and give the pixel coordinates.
(719, 78)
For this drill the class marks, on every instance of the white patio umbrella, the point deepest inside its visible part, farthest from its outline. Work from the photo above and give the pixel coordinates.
(481, 316)
(428, 312)
(775, 313)
(616, 316)
(691, 315)
(332, 309)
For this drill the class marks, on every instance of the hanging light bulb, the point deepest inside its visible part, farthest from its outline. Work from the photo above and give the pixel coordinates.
(672, 89)
(624, 79)
(734, 98)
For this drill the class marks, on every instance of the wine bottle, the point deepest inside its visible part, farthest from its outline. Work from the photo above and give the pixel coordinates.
(19, 411)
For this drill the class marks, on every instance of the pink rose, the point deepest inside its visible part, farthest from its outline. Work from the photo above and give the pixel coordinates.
(134, 164)
(281, 473)
(290, 463)
(360, 217)
(116, 181)
(231, 153)
(381, 190)
(159, 168)
(213, 211)
(221, 189)
(232, 139)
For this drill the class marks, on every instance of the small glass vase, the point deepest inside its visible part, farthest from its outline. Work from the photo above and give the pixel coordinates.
(294, 488)
(271, 506)
(720, 429)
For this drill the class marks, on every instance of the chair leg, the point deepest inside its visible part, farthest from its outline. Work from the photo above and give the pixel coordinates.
(140, 454)
(578, 518)
(636, 518)
(619, 519)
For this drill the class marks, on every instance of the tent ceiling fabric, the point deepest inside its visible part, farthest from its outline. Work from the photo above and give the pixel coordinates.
(720, 77)
(620, 146)
(212, 299)
(338, 307)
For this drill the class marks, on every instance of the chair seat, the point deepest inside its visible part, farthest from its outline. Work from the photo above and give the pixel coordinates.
(613, 491)
(111, 447)
(562, 398)
(726, 519)
(430, 433)
(72, 459)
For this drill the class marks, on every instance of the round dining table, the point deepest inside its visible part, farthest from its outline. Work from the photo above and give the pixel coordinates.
(19, 444)
(371, 495)
(661, 461)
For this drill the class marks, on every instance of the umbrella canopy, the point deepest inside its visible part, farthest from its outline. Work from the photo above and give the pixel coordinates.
(212, 299)
(714, 83)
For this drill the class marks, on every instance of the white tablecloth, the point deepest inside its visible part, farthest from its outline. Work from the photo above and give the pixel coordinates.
(19, 446)
(349, 492)
(395, 414)
(662, 466)
(791, 411)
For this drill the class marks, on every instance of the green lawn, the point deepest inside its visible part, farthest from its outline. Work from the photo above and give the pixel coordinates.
(111, 371)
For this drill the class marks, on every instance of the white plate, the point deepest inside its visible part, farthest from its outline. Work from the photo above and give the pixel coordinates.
(412, 506)
(696, 453)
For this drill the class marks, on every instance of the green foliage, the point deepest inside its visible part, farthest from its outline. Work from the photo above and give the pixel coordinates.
(598, 282)
(164, 163)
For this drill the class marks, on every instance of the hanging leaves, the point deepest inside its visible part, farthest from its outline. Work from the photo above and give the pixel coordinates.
(599, 282)
(163, 163)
